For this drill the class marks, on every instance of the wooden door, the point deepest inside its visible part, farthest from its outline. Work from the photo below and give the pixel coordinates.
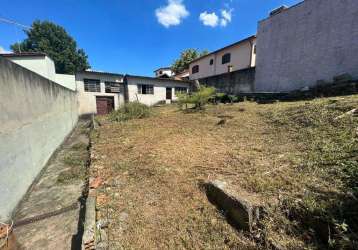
(169, 93)
(104, 104)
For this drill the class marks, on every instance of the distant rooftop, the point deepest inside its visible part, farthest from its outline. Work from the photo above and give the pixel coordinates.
(162, 68)
(24, 54)
(91, 71)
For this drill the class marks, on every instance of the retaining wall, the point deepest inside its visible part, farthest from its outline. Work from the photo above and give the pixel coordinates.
(233, 83)
(36, 115)
(313, 40)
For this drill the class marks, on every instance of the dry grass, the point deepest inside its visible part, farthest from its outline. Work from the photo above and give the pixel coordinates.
(152, 168)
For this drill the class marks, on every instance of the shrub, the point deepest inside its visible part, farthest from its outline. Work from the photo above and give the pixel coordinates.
(132, 110)
(199, 98)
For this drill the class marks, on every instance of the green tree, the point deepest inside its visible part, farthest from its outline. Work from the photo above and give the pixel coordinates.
(53, 40)
(186, 57)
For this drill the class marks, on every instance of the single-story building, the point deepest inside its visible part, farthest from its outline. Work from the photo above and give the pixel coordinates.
(237, 56)
(99, 92)
(150, 91)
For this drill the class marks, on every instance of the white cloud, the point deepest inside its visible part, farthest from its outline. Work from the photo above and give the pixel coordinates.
(225, 17)
(213, 20)
(209, 19)
(172, 14)
(4, 51)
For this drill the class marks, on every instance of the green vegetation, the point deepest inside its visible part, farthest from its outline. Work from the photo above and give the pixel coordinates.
(186, 57)
(53, 40)
(132, 110)
(199, 98)
(328, 208)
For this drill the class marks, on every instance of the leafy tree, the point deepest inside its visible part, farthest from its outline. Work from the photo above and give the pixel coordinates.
(53, 40)
(186, 57)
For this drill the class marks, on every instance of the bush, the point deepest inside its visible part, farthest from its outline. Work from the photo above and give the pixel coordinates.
(199, 98)
(132, 110)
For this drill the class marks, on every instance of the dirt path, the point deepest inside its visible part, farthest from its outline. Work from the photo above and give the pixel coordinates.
(153, 169)
(59, 187)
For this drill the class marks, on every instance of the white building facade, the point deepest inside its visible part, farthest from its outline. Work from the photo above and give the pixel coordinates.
(165, 72)
(150, 91)
(99, 92)
(237, 56)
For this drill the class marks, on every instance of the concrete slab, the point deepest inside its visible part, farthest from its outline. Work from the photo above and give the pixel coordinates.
(48, 195)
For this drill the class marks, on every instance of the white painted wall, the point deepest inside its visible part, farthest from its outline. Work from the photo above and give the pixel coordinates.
(161, 72)
(159, 89)
(314, 40)
(44, 66)
(242, 57)
(87, 100)
(36, 115)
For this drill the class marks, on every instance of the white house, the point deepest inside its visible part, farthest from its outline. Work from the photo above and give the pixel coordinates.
(43, 65)
(237, 56)
(99, 92)
(164, 72)
(150, 91)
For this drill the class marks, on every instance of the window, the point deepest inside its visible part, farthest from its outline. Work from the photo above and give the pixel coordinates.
(254, 49)
(145, 89)
(112, 87)
(195, 69)
(226, 58)
(181, 90)
(92, 85)
(211, 61)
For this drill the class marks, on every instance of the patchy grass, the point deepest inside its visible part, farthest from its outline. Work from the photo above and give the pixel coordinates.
(292, 156)
(75, 160)
(132, 110)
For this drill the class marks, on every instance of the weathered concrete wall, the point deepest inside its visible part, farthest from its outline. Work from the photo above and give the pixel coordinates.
(36, 114)
(314, 40)
(233, 83)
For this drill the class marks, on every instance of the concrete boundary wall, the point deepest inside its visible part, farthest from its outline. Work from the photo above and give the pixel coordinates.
(36, 115)
(232, 83)
(311, 41)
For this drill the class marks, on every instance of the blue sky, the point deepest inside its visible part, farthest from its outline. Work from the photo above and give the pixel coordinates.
(139, 36)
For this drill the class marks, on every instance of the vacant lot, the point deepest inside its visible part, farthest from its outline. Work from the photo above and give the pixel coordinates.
(273, 153)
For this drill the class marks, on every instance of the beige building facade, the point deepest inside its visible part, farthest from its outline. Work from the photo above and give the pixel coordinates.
(99, 92)
(237, 56)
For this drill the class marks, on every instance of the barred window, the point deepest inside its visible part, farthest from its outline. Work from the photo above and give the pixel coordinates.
(195, 69)
(226, 58)
(145, 89)
(181, 90)
(112, 87)
(92, 85)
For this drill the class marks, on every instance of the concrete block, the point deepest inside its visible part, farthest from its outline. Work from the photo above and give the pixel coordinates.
(240, 211)
(89, 234)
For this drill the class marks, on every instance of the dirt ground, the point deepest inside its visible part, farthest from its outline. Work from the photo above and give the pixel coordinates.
(152, 170)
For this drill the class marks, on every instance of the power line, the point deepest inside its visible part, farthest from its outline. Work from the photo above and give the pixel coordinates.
(14, 23)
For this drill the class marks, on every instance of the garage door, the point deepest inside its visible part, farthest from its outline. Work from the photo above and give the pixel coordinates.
(104, 104)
